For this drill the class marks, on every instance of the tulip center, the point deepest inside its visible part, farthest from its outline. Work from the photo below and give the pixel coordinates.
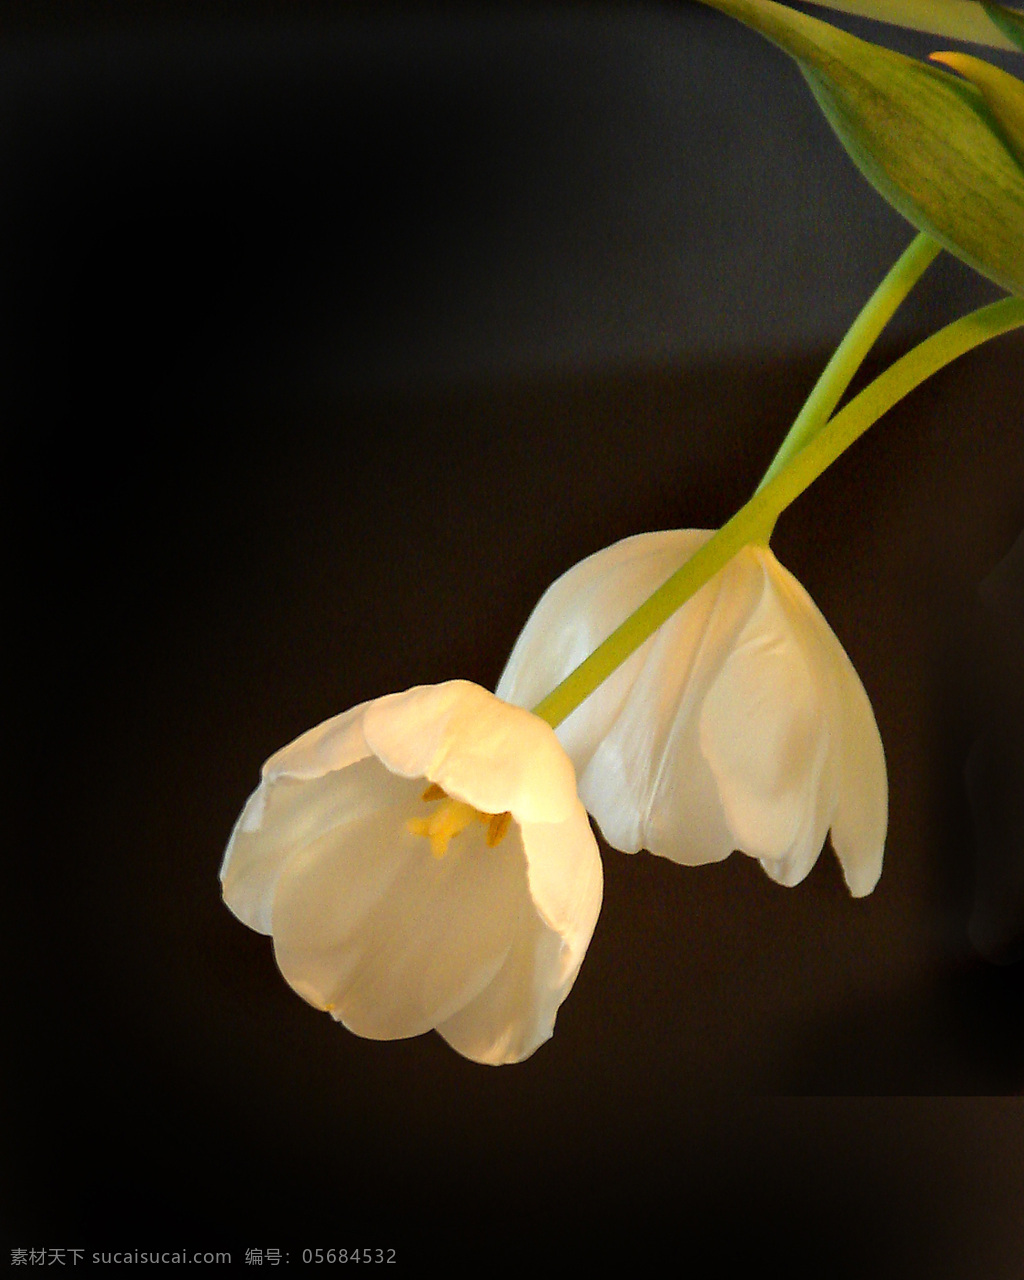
(453, 816)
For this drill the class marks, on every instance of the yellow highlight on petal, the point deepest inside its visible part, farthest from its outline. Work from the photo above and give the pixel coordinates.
(448, 819)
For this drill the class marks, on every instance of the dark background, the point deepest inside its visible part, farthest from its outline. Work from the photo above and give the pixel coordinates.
(334, 335)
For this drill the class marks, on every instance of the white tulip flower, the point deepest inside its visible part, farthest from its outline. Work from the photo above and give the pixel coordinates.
(423, 861)
(739, 724)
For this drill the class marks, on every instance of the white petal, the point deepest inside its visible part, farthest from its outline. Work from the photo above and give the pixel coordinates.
(862, 814)
(763, 731)
(515, 1012)
(648, 784)
(295, 803)
(861, 810)
(578, 611)
(292, 813)
(818, 651)
(563, 867)
(334, 744)
(479, 749)
(394, 941)
(685, 816)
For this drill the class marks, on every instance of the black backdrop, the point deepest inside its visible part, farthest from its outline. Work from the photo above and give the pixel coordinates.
(334, 336)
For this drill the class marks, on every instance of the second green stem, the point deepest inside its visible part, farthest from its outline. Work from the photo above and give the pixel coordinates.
(849, 355)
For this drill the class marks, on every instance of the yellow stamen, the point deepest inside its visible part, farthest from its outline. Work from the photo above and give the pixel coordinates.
(443, 825)
(448, 819)
(497, 828)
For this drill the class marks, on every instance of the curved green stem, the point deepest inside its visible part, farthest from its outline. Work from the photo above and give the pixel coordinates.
(849, 355)
(773, 497)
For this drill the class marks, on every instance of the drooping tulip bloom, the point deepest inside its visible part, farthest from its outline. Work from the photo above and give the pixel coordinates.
(740, 724)
(423, 861)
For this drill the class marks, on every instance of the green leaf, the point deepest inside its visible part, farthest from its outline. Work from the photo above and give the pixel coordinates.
(1009, 21)
(928, 142)
(953, 19)
(1003, 93)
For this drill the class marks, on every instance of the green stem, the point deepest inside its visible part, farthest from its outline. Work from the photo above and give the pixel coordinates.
(849, 355)
(748, 524)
